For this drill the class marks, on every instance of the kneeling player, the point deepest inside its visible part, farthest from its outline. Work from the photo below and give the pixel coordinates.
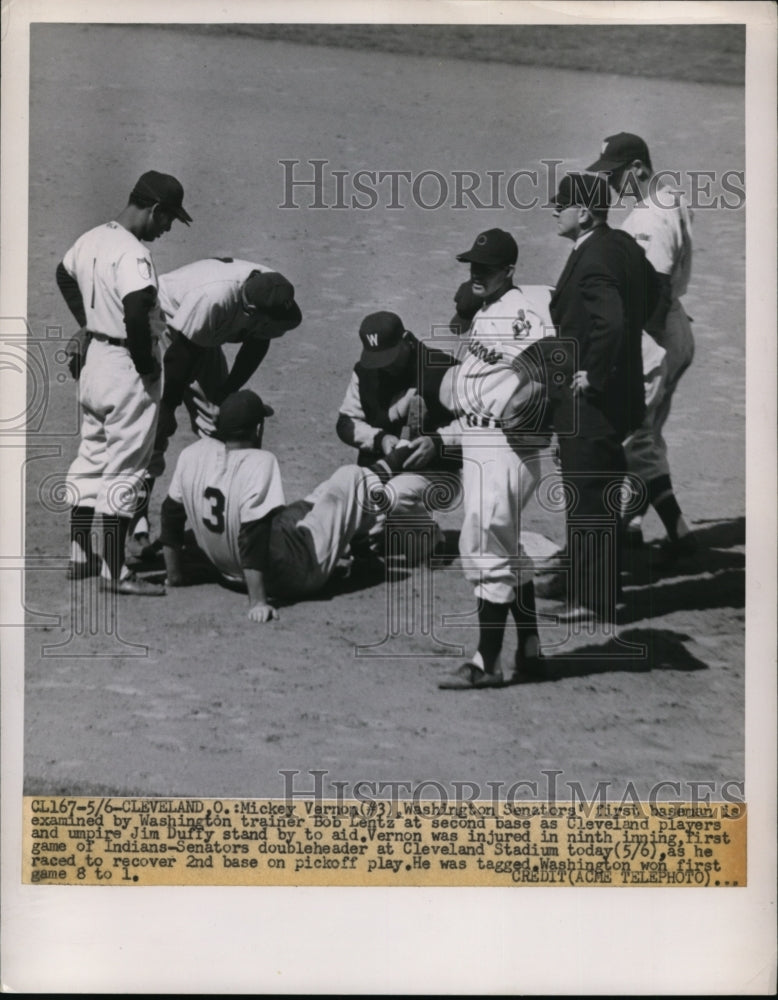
(229, 490)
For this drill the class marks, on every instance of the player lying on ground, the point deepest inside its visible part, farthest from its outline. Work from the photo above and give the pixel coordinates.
(229, 490)
(205, 305)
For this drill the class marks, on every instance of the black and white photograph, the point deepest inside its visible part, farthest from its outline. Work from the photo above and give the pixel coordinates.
(384, 416)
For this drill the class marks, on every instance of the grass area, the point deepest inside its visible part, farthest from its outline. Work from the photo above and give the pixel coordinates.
(699, 53)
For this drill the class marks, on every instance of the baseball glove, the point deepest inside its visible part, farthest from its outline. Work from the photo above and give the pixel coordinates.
(75, 350)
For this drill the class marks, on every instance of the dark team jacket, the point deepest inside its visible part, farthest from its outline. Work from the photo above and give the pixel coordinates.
(604, 296)
(424, 372)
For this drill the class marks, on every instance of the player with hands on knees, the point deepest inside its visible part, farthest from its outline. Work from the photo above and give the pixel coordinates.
(205, 305)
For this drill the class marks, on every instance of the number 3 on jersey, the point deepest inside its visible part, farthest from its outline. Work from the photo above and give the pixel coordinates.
(215, 520)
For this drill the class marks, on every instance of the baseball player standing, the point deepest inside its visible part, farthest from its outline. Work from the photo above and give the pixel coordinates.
(229, 490)
(109, 283)
(661, 222)
(205, 305)
(499, 397)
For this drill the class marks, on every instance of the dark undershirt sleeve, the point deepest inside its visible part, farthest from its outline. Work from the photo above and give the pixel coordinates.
(173, 520)
(71, 293)
(254, 543)
(137, 307)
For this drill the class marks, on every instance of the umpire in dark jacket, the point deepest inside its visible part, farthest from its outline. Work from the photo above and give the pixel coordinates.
(602, 299)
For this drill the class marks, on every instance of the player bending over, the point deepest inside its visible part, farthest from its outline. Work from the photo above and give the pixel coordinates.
(229, 490)
(205, 305)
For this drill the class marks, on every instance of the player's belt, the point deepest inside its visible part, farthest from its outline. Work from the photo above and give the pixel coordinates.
(476, 421)
(114, 341)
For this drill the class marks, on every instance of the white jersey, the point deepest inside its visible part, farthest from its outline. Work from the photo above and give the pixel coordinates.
(486, 380)
(108, 263)
(662, 225)
(203, 300)
(222, 489)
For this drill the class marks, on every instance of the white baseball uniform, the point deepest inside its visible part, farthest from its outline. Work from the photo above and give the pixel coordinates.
(119, 406)
(662, 224)
(223, 489)
(501, 465)
(203, 302)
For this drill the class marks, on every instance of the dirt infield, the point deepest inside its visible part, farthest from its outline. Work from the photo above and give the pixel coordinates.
(187, 697)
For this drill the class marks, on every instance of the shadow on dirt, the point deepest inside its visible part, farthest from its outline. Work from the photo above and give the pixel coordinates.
(712, 577)
(632, 651)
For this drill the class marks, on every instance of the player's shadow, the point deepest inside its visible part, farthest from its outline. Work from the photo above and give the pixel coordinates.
(663, 649)
(713, 577)
(362, 576)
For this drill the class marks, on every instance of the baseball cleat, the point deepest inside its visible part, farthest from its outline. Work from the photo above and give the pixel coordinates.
(93, 566)
(551, 587)
(633, 537)
(134, 585)
(578, 613)
(470, 676)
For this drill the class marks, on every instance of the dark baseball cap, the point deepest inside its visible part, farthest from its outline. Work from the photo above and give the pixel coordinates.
(619, 151)
(383, 339)
(155, 188)
(495, 247)
(271, 293)
(588, 190)
(239, 414)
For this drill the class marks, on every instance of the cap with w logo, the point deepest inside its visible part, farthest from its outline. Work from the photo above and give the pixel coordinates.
(382, 335)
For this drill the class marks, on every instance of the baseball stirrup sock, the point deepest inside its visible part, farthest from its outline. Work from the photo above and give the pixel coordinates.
(140, 520)
(525, 615)
(114, 535)
(662, 497)
(491, 621)
(81, 519)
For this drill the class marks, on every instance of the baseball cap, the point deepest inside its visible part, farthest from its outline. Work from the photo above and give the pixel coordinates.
(383, 339)
(619, 150)
(154, 187)
(494, 246)
(270, 292)
(240, 412)
(585, 189)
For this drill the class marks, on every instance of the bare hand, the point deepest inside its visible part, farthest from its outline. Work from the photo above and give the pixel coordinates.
(262, 613)
(389, 443)
(420, 453)
(580, 382)
(205, 418)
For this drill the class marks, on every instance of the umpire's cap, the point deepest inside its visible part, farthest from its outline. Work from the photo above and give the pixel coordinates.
(240, 414)
(585, 190)
(619, 151)
(155, 188)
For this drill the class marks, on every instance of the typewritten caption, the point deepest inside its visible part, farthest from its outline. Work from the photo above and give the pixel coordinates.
(132, 841)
